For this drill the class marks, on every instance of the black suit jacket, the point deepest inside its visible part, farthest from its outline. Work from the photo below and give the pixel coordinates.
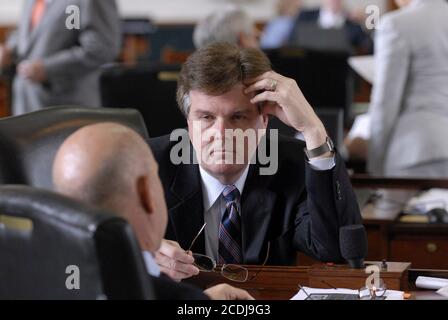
(167, 289)
(298, 208)
(355, 34)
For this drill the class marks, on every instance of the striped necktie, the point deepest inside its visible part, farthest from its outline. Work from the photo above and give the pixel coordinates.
(230, 229)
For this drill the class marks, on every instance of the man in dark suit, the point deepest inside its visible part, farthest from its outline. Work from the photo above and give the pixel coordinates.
(110, 166)
(331, 16)
(295, 203)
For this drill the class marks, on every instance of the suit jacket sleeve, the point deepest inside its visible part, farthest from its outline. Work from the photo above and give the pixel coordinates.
(98, 37)
(392, 58)
(167, 289)
(330, 203)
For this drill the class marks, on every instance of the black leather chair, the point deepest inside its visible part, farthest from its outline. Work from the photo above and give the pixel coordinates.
(151, 89)
(43, 233)
(31, 141)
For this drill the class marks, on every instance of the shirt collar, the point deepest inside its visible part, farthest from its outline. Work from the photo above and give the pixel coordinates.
(328, 19)
(151, 265)
(212, 188)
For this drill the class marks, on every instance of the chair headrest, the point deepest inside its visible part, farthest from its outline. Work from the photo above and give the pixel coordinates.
(36, 137)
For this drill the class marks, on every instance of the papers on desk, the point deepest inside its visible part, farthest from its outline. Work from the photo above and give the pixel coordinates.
(439, 284)
(430, 283)
(433, 198)
(301, 295)
(360, 127)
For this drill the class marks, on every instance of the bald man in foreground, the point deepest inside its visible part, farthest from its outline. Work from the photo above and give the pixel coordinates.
(110, 166)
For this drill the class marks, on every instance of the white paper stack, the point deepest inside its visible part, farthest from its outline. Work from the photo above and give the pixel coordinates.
(301, 295)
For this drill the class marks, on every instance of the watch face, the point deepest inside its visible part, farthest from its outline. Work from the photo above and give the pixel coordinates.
(330, 144)
(324, 148)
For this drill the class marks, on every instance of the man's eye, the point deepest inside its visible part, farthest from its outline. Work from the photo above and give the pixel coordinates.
(238, 117)
(207, 117)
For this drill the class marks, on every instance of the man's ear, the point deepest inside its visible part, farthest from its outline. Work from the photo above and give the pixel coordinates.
(144, 194)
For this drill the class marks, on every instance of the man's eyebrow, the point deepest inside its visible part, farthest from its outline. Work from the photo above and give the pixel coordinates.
(202, 111)
(242, 111)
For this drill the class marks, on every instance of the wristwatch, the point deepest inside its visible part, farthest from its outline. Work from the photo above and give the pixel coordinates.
(328, 146)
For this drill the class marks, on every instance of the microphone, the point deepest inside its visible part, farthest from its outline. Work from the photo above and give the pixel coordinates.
(353, 244)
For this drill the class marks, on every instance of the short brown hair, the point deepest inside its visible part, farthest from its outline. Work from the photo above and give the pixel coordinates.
(216, 69)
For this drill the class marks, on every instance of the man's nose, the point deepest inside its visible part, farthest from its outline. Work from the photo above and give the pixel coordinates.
(220, 127)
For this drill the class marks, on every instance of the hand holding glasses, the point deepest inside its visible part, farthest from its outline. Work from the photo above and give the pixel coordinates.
(232, 272)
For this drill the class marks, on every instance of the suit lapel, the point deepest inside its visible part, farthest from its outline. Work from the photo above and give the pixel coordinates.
(31, 37)
(257, 205)
(25, 25)
(187, 208)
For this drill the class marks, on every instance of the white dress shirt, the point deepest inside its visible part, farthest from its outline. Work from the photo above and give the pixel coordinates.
(215, 204)
(330, 20)
(151, 265)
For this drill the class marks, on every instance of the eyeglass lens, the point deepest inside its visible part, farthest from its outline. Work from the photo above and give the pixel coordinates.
(230, 271)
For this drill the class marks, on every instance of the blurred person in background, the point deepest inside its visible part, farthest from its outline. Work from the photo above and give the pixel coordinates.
(333, 15)
(57, 60)
(278, 31)
(409, 105)
(232, 25)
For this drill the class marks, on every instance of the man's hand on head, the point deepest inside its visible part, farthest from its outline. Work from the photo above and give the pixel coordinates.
(282, 97)
(226, 292)
(175, 262)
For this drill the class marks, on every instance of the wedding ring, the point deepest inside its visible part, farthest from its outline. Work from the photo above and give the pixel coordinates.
(273, 85)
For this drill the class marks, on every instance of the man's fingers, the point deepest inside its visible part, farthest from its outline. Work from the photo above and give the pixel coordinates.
(226, 292)
(187, 269)
(264, 84)
(173, 274)
(264, 96)
(240, 294)
(175, 252)
(171, 243)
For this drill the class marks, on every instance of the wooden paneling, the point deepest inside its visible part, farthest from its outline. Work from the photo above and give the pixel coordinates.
(4, 85)
(4, 98)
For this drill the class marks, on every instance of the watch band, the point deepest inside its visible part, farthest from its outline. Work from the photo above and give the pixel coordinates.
(324, 148)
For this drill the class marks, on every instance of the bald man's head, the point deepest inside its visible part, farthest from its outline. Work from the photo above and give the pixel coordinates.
(99, 162)
(110, 166)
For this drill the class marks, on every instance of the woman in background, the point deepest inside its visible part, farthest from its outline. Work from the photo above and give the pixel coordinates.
(409, 105)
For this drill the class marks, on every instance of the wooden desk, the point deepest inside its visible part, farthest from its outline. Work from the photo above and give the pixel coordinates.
(366, 181)
(423, 244)
(280, 283)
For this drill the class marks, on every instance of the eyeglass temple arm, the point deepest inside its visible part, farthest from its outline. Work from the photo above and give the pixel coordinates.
(268, 251)
(306, 293)
(197, 236)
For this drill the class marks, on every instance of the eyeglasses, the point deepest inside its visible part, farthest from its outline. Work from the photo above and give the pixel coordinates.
(232, 272)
